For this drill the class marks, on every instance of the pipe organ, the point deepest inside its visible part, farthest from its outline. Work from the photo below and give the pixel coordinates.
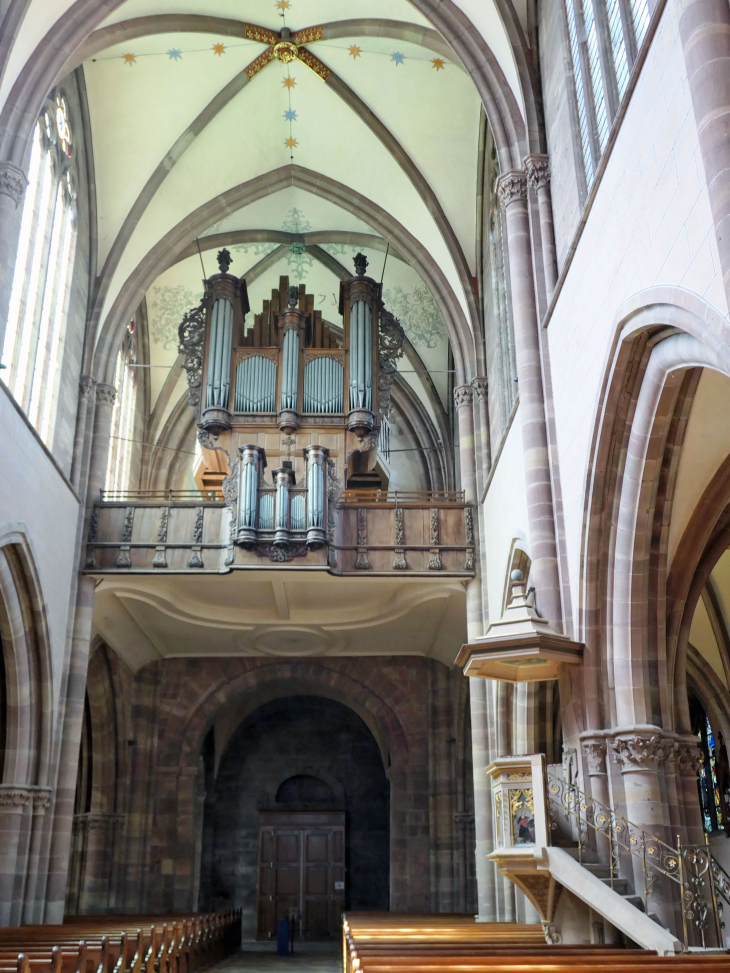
(296, 403)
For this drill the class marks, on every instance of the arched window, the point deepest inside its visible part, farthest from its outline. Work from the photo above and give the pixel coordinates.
(714, 773)
(122, 435)
(42, 277)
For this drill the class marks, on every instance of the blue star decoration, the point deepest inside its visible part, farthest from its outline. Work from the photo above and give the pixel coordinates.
(290, 115)
(398, 57)
(175, 54)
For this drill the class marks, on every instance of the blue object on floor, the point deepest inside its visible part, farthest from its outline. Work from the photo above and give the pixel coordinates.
(282, 936)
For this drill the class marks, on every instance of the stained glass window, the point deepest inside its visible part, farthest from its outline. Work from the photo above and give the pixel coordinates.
(39, 296)
(708, 782)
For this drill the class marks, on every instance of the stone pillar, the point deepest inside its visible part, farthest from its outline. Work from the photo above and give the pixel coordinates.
(13, 183)
(595, 753)
(42, 798)
(641, 754)
(512, 191)
(704, 28)
(538, 178)
(76, 683)
(15, 801)
(81, 438)
(481, 425)
(484, 844)
(463, 400)
(688, 766)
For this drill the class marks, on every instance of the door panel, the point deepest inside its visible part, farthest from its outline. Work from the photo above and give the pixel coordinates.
(301, 857)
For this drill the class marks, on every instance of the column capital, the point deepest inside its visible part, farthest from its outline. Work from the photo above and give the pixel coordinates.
(689, 756)
(15, 796)
(480, 386)
(642, 750)
(105, 394)
(594, 749)
(87, 384)
(13, 182)
(463, 396)
(538, 171)
(511, 186)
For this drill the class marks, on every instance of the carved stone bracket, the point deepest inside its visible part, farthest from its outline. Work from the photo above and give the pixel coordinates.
(123, 561)
(87, 384)
(481, 387)
(512, 186)
(160, 559)
(13, 182)
(195, 560)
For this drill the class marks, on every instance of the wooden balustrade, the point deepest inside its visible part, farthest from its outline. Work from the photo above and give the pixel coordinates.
(122, 944)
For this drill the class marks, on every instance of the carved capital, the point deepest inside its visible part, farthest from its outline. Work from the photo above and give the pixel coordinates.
(511, 187)
(13, 182)
(595, 754)
(463, 396)
(42, 800)
(87, 384)
(106, 394)
(14, 796)
(481, 387)
(538, 171)
(689, 757)
(641, 751)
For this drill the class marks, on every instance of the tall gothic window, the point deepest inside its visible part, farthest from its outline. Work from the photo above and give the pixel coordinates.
(42, 277)
(122, 434)
(604, 38)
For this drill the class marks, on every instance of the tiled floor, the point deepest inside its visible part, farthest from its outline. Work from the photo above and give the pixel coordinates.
(262, 958)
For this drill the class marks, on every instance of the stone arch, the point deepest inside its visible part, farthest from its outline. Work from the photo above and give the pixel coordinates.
(664, 336)
(276, 680)
(131, 293)
(27, 662)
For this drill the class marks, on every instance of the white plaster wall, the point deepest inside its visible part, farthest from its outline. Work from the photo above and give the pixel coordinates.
(35, 498)
(505, 515)
(650, 224)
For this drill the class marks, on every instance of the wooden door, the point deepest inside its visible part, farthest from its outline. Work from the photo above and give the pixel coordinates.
(301, 868)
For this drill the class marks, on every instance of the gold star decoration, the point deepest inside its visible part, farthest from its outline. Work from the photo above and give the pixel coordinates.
(289, 82)
(290, 143)
(438, 64)
(130, 59)
(283, 5)
(219, 49)
(355, 51)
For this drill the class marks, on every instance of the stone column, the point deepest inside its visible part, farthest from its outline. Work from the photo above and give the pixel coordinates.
(76, 683)
(484, 844)
(15, 802)
(42, 798)
(481, 423)
(595, 753)
(538, 178)
(13, 183)
(704, 28)
(463, 400)
(641, 754)
(688, 766)
(512, 191)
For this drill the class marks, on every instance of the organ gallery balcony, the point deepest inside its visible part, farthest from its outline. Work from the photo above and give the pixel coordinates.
(358, 533)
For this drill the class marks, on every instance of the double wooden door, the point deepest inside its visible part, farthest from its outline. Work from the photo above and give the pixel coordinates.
(301, 872)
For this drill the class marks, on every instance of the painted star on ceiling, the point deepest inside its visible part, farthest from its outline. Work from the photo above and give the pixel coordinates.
(355, 51)
(290, 115)
(219, 49)
(438, 63)
(289, 82)
(175, 54)
(130, 59)
(398, 57)
(291, 143)
(283, 5)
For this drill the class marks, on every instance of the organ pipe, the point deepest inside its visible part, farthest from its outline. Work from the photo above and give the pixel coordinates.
(283, 478)
(252, 461)
(219, 358)
(290, 369)
(316, 459)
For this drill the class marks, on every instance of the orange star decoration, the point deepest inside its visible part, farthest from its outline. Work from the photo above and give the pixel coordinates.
(355, 51)
(219, 49)
(283, 5)
(289, 82)
(130, 59)
(291, 143)
(438, 64)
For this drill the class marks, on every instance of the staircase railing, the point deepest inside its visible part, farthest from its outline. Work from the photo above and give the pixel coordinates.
(700, 881)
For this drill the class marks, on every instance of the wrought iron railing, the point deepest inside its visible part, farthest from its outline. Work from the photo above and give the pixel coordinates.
(402, 498)
(691, 871)
(161, 496)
